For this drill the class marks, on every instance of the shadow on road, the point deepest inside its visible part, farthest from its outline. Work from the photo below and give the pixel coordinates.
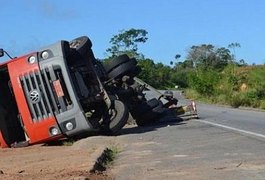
(169, 119)
(164, 122)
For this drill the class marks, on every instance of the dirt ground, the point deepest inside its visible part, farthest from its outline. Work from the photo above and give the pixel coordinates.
(53, 162)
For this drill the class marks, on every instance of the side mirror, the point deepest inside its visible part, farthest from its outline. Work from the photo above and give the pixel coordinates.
(1, 52)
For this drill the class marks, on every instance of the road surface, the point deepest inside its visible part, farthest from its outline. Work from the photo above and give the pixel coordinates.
(225, 143)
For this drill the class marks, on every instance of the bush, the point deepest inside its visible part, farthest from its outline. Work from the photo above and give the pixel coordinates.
(246, 99)
(204, 82)
(236, 100)
(180, 78)
(260, 91)
(191, 94)
(262, 104)
(252, 94)
(221, 98)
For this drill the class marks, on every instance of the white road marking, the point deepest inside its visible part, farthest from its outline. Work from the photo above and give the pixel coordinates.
(180, 155)
(233, 129)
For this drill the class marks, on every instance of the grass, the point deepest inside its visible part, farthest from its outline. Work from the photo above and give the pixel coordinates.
(68, 142)
(242, 87)
(106, 159)
(262, 104)
(234, 99)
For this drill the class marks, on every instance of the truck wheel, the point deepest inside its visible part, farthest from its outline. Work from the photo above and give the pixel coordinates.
(81, 44)
(119, 115)
(116, 62)
(150, 117)
(148, 112)
(135, 72)
(123, 69)
(145, 107)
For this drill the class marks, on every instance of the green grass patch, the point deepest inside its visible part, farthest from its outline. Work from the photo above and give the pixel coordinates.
(105, 159)
(262, 104)
(192, 94)
(234, 98)
(68, 142)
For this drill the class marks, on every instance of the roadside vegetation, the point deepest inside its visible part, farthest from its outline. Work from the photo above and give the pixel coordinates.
(105, 160)
(207, 73)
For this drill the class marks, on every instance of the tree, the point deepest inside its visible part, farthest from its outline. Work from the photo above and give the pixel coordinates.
(208, 56)
(147, 73)
(200, 55)
(126, 42)
(242, 62)
(234, 46)
(156, 74)
(223, 58)
(176, 58)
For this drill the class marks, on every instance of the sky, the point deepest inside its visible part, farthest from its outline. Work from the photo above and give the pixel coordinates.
(173, 26)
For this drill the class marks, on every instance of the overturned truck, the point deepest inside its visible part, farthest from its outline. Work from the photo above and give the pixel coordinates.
(63, 91)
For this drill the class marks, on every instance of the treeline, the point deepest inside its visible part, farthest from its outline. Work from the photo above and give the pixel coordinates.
(234, 85)
(208, 72)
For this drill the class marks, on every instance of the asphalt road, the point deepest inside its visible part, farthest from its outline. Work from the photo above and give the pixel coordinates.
(248, 122)
(244, 120)
(225, 143)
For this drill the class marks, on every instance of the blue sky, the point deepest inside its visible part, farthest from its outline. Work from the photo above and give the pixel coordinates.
(173, 25)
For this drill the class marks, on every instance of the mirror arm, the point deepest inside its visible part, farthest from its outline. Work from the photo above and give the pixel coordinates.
(8, 54)
(2, 52)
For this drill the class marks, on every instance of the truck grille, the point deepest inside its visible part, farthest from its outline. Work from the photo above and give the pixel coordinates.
(42, 98)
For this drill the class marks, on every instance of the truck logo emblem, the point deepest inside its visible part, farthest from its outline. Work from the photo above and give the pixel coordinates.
(34, 96)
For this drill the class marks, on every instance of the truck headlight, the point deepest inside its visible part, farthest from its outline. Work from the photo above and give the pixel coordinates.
(54, 131)
(69, 126)
(32, 59)
(45, 55)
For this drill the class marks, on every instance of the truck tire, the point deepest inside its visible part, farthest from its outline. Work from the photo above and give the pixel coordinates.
(118, 118)
(135, 72)
(145, 107)
(148, 112)
(81, 44)
(116, 62)
(123, 69)
(151, 117)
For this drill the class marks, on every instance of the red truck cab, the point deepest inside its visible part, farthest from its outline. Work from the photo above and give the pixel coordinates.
(38, 100)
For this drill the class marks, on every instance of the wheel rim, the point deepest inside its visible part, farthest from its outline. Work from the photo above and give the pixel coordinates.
(112, 113)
